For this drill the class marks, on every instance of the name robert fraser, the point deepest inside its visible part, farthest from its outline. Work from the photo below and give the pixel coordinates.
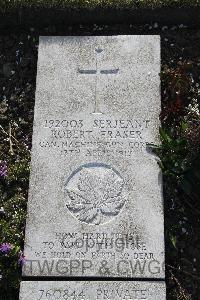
(87, 267)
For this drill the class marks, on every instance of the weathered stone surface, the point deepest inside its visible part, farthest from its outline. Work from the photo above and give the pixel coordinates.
(95, 204)
(92, 290)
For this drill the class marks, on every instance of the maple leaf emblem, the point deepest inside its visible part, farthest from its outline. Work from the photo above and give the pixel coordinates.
(95, 194)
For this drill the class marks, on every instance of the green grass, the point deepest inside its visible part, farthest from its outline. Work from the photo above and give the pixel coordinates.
(7, 5)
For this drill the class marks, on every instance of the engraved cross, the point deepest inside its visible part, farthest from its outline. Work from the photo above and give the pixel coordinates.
(97, 73)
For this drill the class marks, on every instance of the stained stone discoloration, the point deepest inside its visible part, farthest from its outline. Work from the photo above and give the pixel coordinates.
(92, 290)
(95, 203)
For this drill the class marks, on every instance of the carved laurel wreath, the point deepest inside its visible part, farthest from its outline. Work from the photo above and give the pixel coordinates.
(95, 194)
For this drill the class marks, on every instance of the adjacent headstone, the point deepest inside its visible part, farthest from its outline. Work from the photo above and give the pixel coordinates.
(95, 203)
(92, 290)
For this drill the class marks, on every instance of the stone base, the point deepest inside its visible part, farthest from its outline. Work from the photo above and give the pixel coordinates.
(92, 290)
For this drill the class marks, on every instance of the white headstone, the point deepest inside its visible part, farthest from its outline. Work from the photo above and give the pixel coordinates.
(92, 290)
(95, 204)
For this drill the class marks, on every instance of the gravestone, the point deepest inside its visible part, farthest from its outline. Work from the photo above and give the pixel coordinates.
(95, 204)
(92, 290)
